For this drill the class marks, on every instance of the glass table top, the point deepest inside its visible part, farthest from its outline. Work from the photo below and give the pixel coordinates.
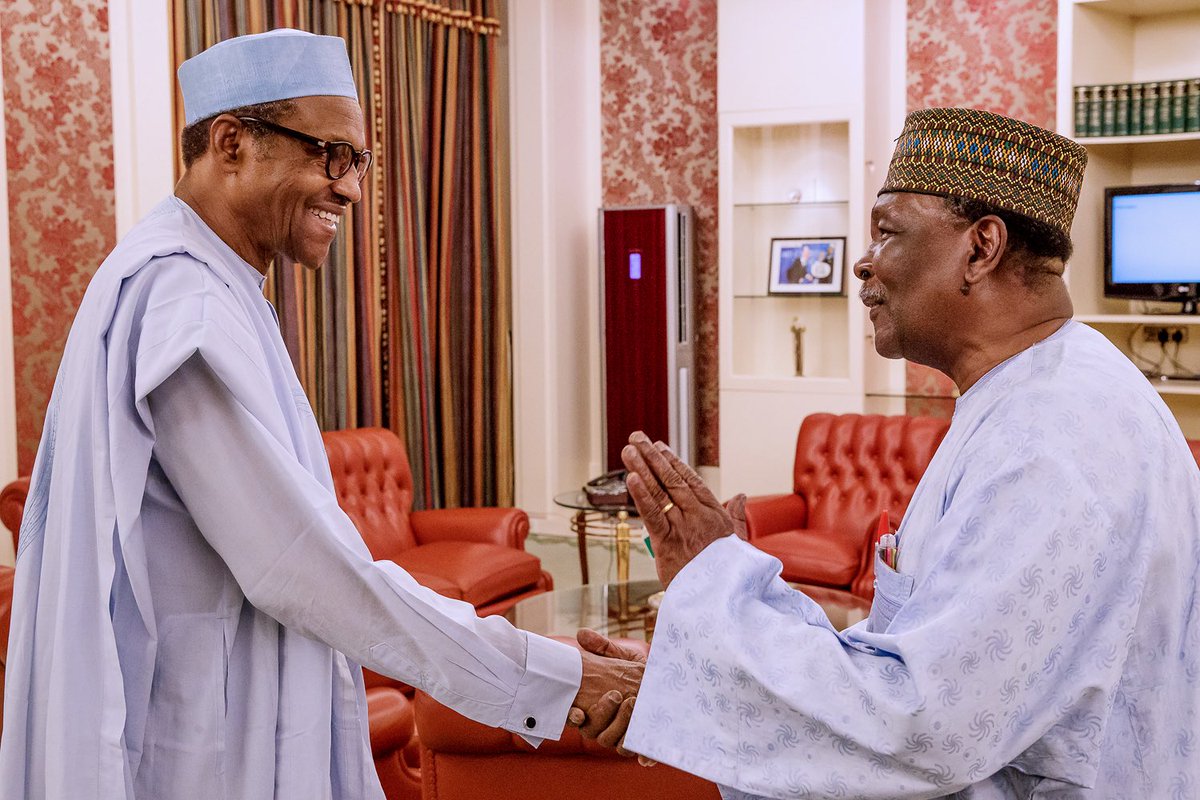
(578, 501)
(629, 609)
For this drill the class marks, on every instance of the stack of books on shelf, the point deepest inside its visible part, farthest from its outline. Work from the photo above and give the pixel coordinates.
(1138, 109)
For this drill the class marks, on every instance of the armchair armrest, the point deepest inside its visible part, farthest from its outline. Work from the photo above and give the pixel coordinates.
(503, 526)
(863, 584)
(774, 513)
(7, 576)
(394, 742)
(12, 506)
(391, 720)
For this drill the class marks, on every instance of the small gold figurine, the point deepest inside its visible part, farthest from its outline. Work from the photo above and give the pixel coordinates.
(798, 336)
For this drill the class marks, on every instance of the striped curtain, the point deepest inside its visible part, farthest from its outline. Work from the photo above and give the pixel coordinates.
(408, 324)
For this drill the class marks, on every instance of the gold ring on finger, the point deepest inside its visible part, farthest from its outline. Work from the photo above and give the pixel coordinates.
(667, 507)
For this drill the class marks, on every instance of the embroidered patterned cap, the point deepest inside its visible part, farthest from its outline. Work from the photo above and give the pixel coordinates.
(964, 152)
(278, 65)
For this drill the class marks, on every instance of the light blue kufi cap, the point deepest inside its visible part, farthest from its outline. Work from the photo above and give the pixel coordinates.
(277, 65)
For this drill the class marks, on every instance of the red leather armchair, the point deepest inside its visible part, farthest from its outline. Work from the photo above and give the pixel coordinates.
(463, 760)
(12, 506)
(6, 598)
(394, 744)
(848, 469)
(472, 554)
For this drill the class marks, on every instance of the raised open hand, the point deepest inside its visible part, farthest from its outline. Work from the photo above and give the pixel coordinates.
(680, 513)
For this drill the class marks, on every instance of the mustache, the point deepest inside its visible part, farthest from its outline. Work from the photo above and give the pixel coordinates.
(869, 297)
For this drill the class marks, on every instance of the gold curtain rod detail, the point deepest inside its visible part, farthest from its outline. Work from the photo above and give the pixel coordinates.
(434, 12)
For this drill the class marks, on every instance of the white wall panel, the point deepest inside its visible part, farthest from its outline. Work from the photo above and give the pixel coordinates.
(554, 85)
(143, 83)
(758, 458)
(788, 53)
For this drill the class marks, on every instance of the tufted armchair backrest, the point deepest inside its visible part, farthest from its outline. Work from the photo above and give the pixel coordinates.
(374, 486)
(849, 467)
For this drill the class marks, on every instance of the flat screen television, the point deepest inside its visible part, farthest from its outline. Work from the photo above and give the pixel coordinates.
(1152, 243)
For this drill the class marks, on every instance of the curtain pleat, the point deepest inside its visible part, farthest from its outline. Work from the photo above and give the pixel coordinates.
(408, 325)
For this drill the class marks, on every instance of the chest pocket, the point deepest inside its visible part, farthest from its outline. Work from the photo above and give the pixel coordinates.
(892, 590)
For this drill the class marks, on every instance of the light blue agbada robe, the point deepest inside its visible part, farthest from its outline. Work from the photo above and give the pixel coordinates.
(186, 584)
(1041, 638)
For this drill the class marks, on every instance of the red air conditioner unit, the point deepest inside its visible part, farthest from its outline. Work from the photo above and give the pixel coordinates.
(647, 328)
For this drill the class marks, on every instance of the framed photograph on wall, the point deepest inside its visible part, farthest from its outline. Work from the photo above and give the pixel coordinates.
(808, 266)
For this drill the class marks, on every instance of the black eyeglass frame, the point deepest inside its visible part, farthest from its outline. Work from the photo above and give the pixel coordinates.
(356, 156)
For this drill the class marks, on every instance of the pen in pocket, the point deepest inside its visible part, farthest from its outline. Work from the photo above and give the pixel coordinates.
(887, 541)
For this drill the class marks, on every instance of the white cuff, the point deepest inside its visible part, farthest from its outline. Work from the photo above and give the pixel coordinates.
(553, 672)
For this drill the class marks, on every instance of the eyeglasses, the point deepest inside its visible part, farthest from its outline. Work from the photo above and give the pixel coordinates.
(340, 157)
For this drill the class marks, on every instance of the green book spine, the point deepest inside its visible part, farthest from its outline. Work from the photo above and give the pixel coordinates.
(1150, 108)
(1164, 107)
(1135, 109)
(1094, 103)
(1108, 112)
(1192, 110)
(1178, 102)
(1081, 111)
(1121, 123)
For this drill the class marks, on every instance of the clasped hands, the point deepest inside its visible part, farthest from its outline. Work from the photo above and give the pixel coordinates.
(682, 518)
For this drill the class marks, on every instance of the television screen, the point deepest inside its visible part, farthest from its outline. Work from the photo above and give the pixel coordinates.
(1153, 247)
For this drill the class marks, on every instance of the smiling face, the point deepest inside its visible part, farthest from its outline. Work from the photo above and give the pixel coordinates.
(289, 204)
(911, 275)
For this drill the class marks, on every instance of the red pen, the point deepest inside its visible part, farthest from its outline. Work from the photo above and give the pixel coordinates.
(883, 524)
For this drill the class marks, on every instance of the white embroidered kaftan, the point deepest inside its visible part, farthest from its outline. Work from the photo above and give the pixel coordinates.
(1040, 639)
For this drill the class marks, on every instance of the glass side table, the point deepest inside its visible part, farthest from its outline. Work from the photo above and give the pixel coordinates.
(611, 523)
(630, 609)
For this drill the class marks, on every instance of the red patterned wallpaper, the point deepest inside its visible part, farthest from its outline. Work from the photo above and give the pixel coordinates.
(998, 55)
(658, 61)
(58, 118)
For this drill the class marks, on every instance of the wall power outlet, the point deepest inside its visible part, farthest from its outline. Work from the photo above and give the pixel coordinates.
(1159, 333)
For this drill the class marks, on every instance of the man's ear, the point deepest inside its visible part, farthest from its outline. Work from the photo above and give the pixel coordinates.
(228, 142)
(988, 240)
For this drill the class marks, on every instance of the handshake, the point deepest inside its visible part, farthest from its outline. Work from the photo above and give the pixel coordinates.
(682, 518)
(604, 704)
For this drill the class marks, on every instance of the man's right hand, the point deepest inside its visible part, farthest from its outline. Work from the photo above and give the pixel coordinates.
(678, 510)
(607, 719)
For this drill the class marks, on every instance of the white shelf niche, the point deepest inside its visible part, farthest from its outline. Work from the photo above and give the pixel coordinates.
(1121, 165)
(790, 181)
(1120, 41)
(1131, 42)
(1123, 331)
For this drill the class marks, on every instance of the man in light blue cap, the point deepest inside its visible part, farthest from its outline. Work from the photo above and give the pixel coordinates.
(191, 606)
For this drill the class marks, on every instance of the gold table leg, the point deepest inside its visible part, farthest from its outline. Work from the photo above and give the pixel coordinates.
(623, 564)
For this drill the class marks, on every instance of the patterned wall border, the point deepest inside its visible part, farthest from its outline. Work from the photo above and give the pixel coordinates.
(58, 118)
(658, 62)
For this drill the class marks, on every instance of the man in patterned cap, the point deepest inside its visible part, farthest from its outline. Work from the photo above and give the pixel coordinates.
(1035, 633)
(191, 605)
